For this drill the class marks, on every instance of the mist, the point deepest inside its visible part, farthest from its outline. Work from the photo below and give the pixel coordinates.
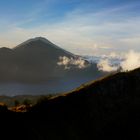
(132, 61)
(68, 62)
(105, 65)
(129, 61)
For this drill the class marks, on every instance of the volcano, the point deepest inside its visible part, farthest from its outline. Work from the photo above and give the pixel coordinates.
(35, 61)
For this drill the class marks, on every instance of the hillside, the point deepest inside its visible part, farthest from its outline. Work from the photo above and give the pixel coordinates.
(37, 62)
(34, 60)
(37, 59)
(107, 108)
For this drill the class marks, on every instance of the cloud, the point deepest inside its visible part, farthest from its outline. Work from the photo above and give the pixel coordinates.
(69, 62)
(127, 62)
(83, 32)
(131, 61)
(104, 65)
(108, 63)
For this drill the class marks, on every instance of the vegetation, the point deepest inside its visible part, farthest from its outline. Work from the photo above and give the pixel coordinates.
(18, 100)
(3, 108)
(108, 108)
(17, 103)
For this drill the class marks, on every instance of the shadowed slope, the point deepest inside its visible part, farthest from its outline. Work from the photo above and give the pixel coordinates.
(108, 108)
(7, 64)
(35, 61)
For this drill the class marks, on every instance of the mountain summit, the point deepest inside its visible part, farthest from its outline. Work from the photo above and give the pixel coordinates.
(38, 61)
(41, 42)
(38, 58)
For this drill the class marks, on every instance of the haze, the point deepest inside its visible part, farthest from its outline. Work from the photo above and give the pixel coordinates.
(85, 27)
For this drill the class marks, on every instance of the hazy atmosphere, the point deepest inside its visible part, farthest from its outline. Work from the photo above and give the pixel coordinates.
(85, 27)
(70, 69)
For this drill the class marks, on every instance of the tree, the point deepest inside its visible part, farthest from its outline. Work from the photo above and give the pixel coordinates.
(16, 102)
(27, 102)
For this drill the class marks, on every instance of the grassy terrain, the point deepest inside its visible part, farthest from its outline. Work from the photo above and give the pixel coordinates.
(108, 108)
(21, 99)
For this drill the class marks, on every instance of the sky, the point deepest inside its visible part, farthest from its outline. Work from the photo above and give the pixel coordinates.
(85, 27)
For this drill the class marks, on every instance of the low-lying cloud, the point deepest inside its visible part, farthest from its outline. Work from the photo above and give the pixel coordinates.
(130, 61)
(69, 62)
(125, 62)
(105, 65)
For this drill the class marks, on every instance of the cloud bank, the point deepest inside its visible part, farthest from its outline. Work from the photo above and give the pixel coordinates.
(129, 61)
(105, 65)
(68, 62)
(113, 62)
(83, 30)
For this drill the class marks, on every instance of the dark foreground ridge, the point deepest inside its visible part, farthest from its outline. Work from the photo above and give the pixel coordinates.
(108, 108)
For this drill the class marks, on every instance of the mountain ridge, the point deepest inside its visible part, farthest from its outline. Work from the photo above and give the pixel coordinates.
(106, 108)
(42, 39)
(37, 60)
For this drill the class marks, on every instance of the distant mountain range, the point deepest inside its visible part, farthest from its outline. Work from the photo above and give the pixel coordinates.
(36, 61)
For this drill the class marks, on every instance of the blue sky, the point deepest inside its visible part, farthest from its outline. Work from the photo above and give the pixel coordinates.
(81, 26)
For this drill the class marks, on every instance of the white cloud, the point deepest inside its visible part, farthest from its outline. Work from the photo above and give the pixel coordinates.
(104, 65)
(68, 62)
(131, 61)
(86, 33)
(113, 62)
